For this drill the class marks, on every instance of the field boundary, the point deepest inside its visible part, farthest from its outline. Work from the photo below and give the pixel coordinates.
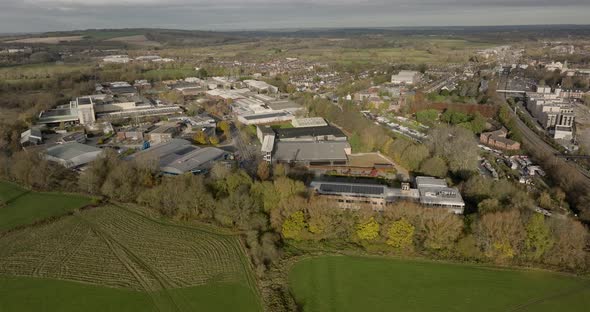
(318, 252)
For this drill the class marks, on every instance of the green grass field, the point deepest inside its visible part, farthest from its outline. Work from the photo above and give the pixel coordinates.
(123, 258)
(24, 207)
(40, 294)
(39, 72)
(410, 50)
(378, 284)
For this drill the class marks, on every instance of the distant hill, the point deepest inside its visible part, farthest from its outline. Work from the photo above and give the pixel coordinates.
(172, 37)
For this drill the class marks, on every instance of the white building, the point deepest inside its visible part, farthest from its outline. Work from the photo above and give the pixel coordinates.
(265, 118)
(260, 86)
(408, 77)
(309, 122)
(117, 59)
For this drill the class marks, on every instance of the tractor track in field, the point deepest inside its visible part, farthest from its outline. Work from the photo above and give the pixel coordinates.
(158, 292)
(68, 252)
(532, 302)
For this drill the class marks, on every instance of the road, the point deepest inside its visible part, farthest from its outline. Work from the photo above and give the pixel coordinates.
(247, 152)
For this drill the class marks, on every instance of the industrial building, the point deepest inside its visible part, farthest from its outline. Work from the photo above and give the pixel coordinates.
(180, 156)
(407, 77)
(265, 118)
(32, 136)
(117, 100)
(429, 191)
(553, 112)
(324, 145)
(252, 108)
(163, 133)
(260, 86)
(72, 155)
(266, 136)
(79, 137)
(311, 153)
(325, 133)
(309, 122)
(200, 121)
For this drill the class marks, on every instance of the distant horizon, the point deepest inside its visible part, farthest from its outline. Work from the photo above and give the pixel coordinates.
(35, 16)
(292, 29)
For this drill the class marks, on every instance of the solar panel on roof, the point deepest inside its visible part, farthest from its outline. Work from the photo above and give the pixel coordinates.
(361, 189)
(353, 189)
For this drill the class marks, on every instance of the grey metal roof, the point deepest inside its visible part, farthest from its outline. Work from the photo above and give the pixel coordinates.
(311, 151)
(423, 181)
(161, 150)
(283, 105)
(70, 150)
(58, 115)
(190, 159)
(180, 156)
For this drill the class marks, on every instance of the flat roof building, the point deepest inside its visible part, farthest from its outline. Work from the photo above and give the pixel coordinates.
(120, 100)
(429, 192)
(309, 122)
(180, 156)
(32, 136)
(436, 192)
(311, 153)
(265, 118)
(322, 133)
(71, 155)
(163, 133)
(260, 86)
(407, 77)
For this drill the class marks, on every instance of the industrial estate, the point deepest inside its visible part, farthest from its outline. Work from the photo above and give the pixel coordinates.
(163, 170)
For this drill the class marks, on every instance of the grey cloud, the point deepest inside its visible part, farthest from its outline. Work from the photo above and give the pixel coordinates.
(42, 15)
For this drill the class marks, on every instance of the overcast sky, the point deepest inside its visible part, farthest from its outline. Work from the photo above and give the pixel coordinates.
(46, 15)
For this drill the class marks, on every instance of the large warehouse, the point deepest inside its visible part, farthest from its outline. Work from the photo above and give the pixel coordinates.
(72, 155)
(324, 145)
(180, 156)
(311, 153)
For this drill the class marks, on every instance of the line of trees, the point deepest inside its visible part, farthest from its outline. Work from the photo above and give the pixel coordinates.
(514, 236)
(267, 210)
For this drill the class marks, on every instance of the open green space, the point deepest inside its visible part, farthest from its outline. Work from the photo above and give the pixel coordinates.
(170, 73)
(22, 207)
(378, 284)
(121, 259)
(110, 34)
(42, 294)
(39, 72)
